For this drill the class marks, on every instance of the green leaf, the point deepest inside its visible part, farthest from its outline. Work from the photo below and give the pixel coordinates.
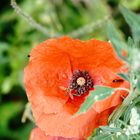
(128, 113)
(133, 21)
(124, 76)
(130, 42)
(102, 137)
(123, 137)
(128, 110)
(110, 129)
(138, 83)
(115, 39)
(99, 93)
(131, 4)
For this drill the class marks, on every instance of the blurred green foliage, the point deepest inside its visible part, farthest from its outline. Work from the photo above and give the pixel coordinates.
(82, 19)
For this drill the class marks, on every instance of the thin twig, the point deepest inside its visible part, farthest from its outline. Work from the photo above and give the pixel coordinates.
(88, 28)
(36, 25)
(76, 33)
(27, 114)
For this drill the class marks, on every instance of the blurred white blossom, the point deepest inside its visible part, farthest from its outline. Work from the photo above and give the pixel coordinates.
(136, 59)
(134, 126)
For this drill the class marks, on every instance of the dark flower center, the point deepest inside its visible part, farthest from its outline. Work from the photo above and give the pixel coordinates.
(81, 82)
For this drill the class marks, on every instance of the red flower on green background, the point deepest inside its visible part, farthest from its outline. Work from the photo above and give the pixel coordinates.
(60, 75)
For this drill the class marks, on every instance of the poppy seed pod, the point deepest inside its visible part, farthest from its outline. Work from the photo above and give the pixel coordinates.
(81, 82)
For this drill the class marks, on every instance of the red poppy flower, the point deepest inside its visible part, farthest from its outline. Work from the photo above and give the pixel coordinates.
(38, 134)
(60, 64)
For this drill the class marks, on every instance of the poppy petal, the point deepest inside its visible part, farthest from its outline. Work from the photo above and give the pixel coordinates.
(113, 101)
(38, 134)
(47, 77)
(65, 125)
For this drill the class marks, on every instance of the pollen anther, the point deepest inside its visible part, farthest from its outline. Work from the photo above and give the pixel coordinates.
(81, 81)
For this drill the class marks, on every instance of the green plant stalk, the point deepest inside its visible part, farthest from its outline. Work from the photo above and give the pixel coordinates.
(119, 111)
(31, 21)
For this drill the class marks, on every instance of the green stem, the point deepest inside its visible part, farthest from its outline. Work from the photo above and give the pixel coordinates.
(119, 111)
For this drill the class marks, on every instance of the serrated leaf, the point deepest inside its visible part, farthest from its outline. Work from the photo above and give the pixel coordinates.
(124, 76)
(110, 129)
(115, 39)
(99, 93)
(133, 21)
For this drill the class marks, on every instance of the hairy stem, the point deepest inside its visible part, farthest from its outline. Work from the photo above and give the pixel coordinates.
(36, 25)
